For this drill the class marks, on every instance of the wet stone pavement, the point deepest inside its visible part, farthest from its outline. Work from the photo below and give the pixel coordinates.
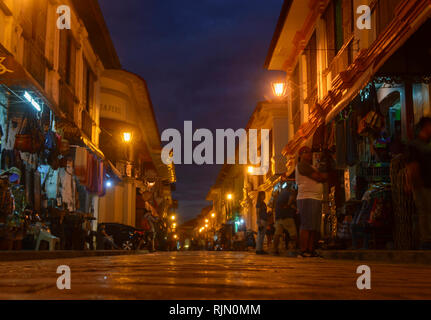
(211, 275)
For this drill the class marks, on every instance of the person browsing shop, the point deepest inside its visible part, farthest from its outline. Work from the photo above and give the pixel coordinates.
(310, 195)
(285, 211)
(419, 169)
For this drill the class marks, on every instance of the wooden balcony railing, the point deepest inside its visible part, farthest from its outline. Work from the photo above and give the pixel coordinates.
(341, 61)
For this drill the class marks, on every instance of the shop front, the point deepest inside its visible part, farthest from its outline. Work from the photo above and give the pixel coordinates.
(368, 205)
(50, 179)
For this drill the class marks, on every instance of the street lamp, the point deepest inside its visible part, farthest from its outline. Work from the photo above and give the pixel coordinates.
(229, 196)
(127, 137)
(206, 221)
(279, 88)
(173, 217)
(250, 170)
(213, 215)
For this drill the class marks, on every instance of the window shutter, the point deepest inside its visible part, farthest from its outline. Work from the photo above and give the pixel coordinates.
(84, 84)
(386, 12)
(63, 54)
(39, 23)
(311, 54)
(347, 19)
(72, 64)
(330, 31)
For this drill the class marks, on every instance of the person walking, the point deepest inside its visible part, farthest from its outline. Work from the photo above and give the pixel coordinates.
(419, 169)
(310, 195)
(262, 221)
(151, 216)
(285, 211)
(270, 230)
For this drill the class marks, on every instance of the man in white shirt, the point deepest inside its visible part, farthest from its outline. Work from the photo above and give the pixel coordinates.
(310, 195)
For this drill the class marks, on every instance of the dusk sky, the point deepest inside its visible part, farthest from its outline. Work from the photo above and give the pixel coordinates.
(203, 61)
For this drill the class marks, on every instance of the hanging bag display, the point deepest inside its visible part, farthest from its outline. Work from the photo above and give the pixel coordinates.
(23, 140)
(373, 123)
(29, 139)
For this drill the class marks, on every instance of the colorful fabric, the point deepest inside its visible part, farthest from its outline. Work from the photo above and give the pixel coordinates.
(81, 164)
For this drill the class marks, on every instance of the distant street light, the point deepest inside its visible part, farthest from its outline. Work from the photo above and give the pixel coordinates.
(250, 170)
(206, 221)
(279, 89)
(230, 196)
(213, 215)
(173, 217)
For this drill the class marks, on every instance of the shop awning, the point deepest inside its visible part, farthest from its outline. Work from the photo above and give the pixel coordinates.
(351, 94)
(93, 147)
(13, 75)
(113, 169)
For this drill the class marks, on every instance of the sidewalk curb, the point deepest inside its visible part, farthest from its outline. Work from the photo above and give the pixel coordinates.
(393, 256)
(51, 255)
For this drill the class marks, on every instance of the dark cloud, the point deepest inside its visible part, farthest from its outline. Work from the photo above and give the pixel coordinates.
(203, 61)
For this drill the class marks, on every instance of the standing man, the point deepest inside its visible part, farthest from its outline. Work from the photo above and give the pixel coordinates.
(262, 221)
(419, 169)
(310, 196)
(285, 211)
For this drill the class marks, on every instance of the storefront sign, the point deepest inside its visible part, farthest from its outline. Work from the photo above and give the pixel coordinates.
(3, 68)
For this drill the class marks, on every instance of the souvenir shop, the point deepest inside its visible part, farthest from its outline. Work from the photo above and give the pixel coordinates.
(361, 144)
(50, 180)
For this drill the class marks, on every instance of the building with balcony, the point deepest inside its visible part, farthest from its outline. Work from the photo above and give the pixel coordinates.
(51, 77)
(130, 139)
(339, 71)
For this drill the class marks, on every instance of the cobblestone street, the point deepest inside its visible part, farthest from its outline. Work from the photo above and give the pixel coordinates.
(210, 275)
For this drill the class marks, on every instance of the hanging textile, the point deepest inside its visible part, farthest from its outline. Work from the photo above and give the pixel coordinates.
(68, 187)
(81, 164)
(100, 181)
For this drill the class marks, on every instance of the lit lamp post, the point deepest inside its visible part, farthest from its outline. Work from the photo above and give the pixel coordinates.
(127, 138)
(279, 88)
(229, 197)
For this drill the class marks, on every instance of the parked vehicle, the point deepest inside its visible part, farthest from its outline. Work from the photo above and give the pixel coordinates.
(125, 237)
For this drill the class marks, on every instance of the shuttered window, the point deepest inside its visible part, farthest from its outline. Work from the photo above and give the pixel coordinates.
(385, 13)
(67, 67)
(311, 56)
(296, 102)
(347, 19)
(89, 80)
(339, 34)
(39, 16)
(330, 30)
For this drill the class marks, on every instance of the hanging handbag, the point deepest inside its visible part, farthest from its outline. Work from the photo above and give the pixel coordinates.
(23, 140)
(373, 123)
